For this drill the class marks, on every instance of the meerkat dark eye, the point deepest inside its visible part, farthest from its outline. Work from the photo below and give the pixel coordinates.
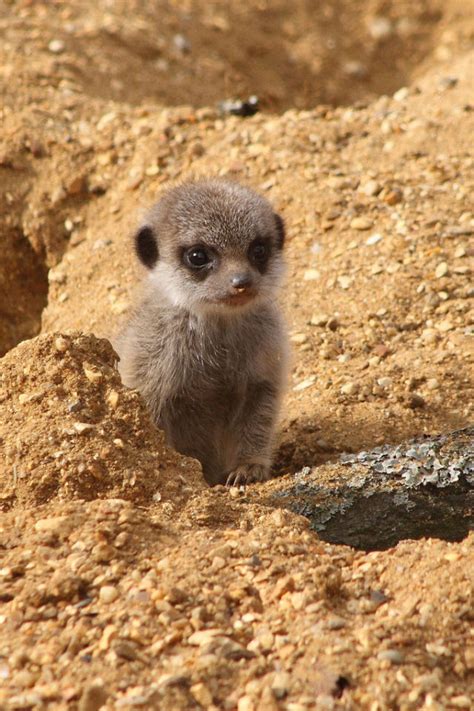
(259, 252)
(196, 258)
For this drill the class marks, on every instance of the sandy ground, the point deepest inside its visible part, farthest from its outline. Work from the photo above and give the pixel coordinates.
(124, 581)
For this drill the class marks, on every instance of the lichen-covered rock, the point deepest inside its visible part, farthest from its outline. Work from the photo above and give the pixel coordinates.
(373, 499)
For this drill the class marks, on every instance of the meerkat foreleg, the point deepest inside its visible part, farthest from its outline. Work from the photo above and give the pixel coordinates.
(257, 431)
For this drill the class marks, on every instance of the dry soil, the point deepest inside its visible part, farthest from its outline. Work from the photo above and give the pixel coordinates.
(124, 581)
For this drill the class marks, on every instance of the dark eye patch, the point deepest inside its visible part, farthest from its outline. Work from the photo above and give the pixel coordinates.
(146, 246)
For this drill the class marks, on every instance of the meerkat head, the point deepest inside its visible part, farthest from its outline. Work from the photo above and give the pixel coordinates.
(213, 245)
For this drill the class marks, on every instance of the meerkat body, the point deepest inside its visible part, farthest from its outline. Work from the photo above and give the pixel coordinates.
(206, 345)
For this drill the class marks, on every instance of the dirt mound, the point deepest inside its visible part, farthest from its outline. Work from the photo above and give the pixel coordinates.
(69, 429)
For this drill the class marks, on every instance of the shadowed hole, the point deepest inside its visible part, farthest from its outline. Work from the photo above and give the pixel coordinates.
(23, 290)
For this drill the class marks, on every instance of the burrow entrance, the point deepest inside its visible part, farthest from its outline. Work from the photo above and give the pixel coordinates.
(23, 290)
(291, 55)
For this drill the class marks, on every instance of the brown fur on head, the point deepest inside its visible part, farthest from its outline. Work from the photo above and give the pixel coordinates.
(213, 245)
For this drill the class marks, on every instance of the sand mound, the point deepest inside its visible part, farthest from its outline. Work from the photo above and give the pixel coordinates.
(69, 429)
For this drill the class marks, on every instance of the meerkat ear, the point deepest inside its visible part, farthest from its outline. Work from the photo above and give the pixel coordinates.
(146, 246)
(280, 228)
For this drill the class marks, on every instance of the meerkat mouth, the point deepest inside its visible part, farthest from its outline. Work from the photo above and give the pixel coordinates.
(238, 299)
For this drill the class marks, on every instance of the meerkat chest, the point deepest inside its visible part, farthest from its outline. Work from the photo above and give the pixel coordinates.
(221, 359)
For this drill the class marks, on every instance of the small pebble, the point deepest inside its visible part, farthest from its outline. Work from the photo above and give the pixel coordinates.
(245, 703)
(108, 594)
(461, 702)
(349, 388)
(112, 399)
(390, 655)
(82, 427)
(56, 46)
(280, 685)
(299, 338)
(361, 223)
(401, 94)
(336, 623)
(429, 335)
(92, 374)
(54, 524)
(202, 695)
(182, 44)
(441, 270)
(345, 282)
(393, 197)
(355, 69)
(373, 239)
(384, 382)
(319, 319)
(305, 384)
(380, 27)
(311, 275)
(371, 188)
(445, 326)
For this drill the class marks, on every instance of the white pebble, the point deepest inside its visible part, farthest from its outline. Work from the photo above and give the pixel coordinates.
(108, 594)
(349, 388)
(441, 270)
(56, 46)
(311, 275)
(373, 239)
(380, 27)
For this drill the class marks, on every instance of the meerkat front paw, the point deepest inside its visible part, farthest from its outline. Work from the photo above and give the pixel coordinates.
(248, 474)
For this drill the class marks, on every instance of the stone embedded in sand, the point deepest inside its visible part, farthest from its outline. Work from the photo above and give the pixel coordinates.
(56, 46)
(371, 188)
(380, 27)
(390, 655)
(344, 281)
(55, 524)
(361, 223)
(311, 275)
(441, 270)
(319, 319)
(108, 594)
(349, 388)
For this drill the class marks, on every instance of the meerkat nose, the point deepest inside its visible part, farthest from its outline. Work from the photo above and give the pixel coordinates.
(241, 282)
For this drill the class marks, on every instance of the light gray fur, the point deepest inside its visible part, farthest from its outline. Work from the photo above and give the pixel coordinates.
(212, 373)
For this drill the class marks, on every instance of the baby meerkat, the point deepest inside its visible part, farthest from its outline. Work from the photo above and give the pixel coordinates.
(206, 345)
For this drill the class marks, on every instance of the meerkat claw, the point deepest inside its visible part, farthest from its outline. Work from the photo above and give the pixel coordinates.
(247, 474)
